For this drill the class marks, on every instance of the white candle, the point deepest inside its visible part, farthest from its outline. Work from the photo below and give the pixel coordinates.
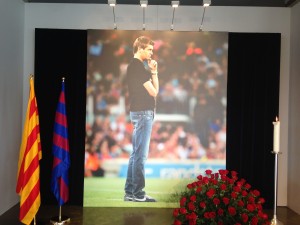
(276, 135)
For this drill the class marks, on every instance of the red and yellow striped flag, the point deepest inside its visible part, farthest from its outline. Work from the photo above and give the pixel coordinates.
(28, 177)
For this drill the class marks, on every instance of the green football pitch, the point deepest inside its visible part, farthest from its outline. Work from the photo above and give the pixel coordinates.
(109, 192)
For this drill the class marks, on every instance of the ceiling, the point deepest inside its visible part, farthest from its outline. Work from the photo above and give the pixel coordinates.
(255, 3)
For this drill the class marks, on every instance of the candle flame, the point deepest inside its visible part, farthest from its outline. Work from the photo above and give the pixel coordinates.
(277, 119)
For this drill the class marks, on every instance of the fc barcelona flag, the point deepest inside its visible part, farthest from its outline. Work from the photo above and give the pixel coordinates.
(28, 177)
(60, 151)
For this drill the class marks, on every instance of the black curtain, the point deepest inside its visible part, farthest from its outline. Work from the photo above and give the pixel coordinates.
(61, 53)
(252, 105)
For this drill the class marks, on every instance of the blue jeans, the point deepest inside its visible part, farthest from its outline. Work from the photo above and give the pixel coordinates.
(142, 122)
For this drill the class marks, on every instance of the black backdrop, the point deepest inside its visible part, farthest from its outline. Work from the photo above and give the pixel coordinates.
(61, 53)
(252, 104)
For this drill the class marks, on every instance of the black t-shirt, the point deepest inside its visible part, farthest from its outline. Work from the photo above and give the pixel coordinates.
(139, 97)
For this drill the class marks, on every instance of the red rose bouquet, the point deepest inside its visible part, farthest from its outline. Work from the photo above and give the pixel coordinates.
(220, 199)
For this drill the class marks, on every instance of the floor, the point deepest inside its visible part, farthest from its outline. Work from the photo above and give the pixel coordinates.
(119, 216)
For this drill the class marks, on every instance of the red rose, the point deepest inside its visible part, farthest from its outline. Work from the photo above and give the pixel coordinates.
(265, 216)
(189, 186)
(208, 172)
(254, 221)
(244, 193)
(226, 200)
(223, 172)
(199, 189)
(251, 199)
(220, 223)
(261, 200)
(182, 210)
(220, 212)
(193, 198)
(206, 215)
(233, 195)
(216, 201)
(231, 210)
(199, 177)
(247, 186)
(256, 193)
(231, 181)
(223, 187)
(177, 222)
(193, 216)
(239, 184)
(224, 178)
(182, 201)
(244, 218)
(192, 222)
(260, 214)
(210, 192)
(212, 215)
(258, 206)
(216, 175)
(233, 173)
(191, 206)
(241, 203)
(205, 180)
(250, 207)
(195, 184)
(202, 205)
(237, 188)
(215, 182)
(176, 212)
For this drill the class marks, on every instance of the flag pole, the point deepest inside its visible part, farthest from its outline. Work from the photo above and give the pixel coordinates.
(59, 218)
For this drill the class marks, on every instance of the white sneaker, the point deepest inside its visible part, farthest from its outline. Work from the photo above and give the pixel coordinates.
(146, 198)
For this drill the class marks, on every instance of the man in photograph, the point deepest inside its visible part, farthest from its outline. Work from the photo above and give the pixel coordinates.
(143, 87)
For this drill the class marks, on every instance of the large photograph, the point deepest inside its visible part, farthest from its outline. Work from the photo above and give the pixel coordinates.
(156, 114)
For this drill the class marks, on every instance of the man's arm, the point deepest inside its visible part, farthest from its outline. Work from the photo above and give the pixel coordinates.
(152, 85)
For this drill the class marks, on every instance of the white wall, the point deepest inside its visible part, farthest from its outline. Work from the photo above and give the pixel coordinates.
(11, 94)
(130, 17)
(294, 123)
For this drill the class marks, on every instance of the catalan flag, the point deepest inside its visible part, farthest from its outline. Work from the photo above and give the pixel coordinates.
(28, 177)
(60, 151)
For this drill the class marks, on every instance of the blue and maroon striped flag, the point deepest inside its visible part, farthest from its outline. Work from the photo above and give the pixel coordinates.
(60, 151)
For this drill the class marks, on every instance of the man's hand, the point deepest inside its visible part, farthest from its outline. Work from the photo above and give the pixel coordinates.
(152, 65)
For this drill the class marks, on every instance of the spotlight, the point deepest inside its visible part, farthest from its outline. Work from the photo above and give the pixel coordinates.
(112, 3)
(175, 4)
(144, 3)
(206, 3)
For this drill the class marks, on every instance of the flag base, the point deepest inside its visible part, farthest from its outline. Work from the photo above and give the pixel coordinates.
(60, 221)
(275, 221)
